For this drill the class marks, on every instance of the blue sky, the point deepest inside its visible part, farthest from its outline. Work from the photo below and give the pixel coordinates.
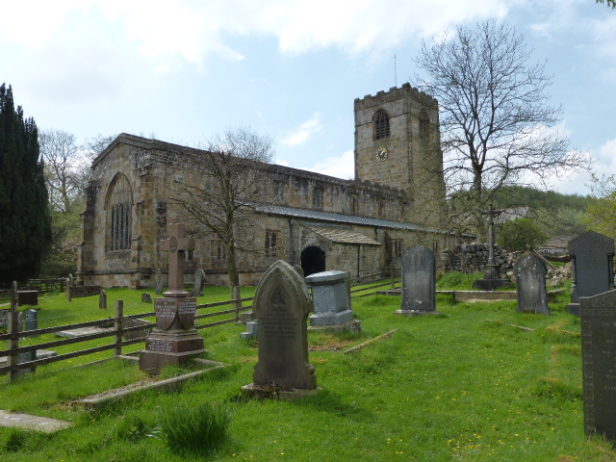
(184, 71)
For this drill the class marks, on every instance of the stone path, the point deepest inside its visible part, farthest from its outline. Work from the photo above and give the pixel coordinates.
(32, 422)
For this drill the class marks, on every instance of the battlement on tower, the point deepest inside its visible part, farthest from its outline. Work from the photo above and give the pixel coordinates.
(396, 93)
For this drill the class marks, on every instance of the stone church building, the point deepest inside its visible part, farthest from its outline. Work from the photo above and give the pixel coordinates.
(319, 222)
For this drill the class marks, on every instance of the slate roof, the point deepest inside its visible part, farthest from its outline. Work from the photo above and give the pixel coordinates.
(342, 236)
(331, 217)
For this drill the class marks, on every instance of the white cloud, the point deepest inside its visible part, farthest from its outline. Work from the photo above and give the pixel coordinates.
(194, 31)
(342, 166)
(304, 132)
(282, 162)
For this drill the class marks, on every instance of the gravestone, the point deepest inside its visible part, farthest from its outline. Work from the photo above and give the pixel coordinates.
(70, 280)
(331, 299)
(418, 281)
(146, 298)
(592, 255)
(598, 319)
(102, 299)
(29, 320)
(252, 330)
(530, 271)
(199, 280)
(281, 306)
(174, 340)
(159, 282)
(27, 297)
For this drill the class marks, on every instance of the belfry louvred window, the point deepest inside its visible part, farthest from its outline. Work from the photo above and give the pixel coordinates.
(381, 125)
(119, 214)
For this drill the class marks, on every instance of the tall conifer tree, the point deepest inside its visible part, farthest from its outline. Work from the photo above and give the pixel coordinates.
(25, 232)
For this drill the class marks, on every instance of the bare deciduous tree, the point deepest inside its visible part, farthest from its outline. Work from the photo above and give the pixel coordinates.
(497, 125)
(221, 203)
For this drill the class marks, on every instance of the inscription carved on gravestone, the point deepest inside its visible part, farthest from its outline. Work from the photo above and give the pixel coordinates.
(530, 271)
(174, 340)
(331, 299)
(281, 306)
(598, 315)
(418, 281)
(592, 255)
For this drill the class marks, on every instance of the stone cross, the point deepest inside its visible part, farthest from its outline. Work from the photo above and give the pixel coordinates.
(177, 245)
(530, 271)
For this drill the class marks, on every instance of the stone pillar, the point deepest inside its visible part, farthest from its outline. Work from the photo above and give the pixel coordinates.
(331, 299)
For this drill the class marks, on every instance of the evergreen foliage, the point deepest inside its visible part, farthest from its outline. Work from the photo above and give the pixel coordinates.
(25, 231)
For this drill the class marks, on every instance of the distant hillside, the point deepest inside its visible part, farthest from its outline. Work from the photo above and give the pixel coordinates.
(556, 213)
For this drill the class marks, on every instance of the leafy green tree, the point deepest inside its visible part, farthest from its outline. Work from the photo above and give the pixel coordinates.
(520, 234)
(600, 214)
(25, 232)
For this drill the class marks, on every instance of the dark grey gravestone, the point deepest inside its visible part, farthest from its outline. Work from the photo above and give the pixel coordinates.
(592, 255)
(146, 298)
(530, 271)
(598, 315)
(102, 299)
(199, 281)
(331, 299)
(418, 281)
(281, 306)
(159, 282)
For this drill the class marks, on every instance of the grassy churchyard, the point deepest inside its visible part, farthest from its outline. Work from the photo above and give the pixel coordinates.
(467, 385)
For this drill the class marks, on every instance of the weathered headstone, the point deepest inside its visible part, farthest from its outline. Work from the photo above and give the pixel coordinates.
(418, 281)
(331, 299)
(102, 299)
(29, 319)
(159, 282)
(70, 281)
(146, 298)
(598, 314)
(592, 255)
(174, 340)
(282, 305)
(252, 330)
(530, 271)
(199, 278)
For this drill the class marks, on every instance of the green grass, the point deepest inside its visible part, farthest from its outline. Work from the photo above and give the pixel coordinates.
(465, 386)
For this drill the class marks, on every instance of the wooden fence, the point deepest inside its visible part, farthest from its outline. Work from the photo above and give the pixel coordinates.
(118, 332)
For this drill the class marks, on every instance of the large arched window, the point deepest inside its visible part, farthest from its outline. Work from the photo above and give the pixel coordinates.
(381, 124)
(119, 207)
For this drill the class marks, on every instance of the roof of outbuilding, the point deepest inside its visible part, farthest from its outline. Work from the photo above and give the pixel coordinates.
(318, 215)
(342, 236)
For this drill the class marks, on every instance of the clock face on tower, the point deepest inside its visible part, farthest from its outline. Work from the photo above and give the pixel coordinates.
(382, 154)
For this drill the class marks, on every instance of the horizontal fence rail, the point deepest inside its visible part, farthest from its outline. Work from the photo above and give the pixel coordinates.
(117, 327)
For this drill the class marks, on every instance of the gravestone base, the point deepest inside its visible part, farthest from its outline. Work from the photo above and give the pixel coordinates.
(574, 309)
(352, 326)
(270, 392)
(252, 330)
(491, 284)
(331, 318)
(169, 349)
(416, 312)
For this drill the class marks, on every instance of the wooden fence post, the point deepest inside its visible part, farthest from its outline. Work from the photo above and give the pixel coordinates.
(119, 316)
(14, 331)
(237, 300)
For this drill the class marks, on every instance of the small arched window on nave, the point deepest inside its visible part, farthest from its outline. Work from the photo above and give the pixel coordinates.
(381, 125)
(119, 214)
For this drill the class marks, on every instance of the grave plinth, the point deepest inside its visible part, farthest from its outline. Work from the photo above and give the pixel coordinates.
(331, 300)
(598, 315)
(174, 340)
(27, 297)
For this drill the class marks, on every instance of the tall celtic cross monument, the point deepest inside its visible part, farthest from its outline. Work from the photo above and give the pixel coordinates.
(174, 340)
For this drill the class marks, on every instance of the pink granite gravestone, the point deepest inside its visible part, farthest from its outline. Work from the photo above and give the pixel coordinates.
(174, 340)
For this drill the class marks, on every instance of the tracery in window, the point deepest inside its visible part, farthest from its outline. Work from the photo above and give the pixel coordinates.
(381, 125)
(119, 214)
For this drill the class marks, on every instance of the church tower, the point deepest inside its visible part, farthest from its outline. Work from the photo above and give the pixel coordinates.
(397, 144)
